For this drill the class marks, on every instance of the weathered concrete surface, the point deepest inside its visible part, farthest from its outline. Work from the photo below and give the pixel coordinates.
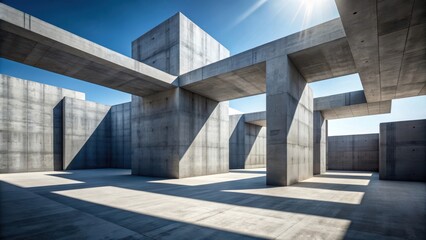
(86, 134)
(320, 143)
(31, 125)
(110, 204)
(244, 74)
(178, 134)
(121, 147)
(247, 143)
(350, 104)
(353, 152)
(387, 43)
(289, 110)
(256, 118)
(29, 40)
(403, 151)
(177, 46)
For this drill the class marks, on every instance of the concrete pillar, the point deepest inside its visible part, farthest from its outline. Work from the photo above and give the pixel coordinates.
(178, 134)
(320, 143)
(289, 104)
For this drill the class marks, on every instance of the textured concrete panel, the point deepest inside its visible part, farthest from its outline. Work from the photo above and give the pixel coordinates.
(86, 134)
(403, 151)
(121, 150)
(289, 104)
(31, 125)
(320, 143)
(350, 104)
(387, 43)
(244, 74)
(353, 152)
(247, 144)
(178, 134)
(29, 40)
(177, 46)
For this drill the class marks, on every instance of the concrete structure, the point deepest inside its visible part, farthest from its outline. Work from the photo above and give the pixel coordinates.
(353, 152)
(29, 40)
(196, 75)
(403, 151)
(31, 125)
(121, 146)
(320, 143)
(45, 128)
(178, 133)
(86, 134)
(247, 140)
(350, 104)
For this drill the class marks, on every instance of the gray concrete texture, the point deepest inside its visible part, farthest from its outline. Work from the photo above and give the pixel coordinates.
(387, 43)
(353, 152)
(289, 110)
(320, 143)
(87, 135)
(45, 128)
(31, 125)
(350, 104)
(110, 204)
(29, 40)
(403, 151)
(177, 46)
(121, 147)
(244, 74)
(178, 134)
(247, 143)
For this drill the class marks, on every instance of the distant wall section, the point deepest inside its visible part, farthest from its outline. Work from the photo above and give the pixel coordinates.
(353, 152)
(403, 151)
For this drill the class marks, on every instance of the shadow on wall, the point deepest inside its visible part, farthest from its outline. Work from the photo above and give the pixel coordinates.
(247, 144)
(92, 152)
(178, 134)
(58, 137)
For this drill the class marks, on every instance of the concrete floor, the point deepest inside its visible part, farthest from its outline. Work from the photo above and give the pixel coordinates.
(111, 204)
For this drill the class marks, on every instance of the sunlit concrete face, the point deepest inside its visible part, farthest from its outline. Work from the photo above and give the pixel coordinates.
(113, 204)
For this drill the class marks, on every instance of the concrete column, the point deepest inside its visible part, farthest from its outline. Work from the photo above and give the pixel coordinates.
(289, 104)
(178, 134)
(320, 143)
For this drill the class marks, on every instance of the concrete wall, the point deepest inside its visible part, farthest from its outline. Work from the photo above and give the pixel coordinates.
(30, 125)
(403, 151)
(121, 150)
(87, 135)
(178, 134)
(320, 143)
(177, 46)
(353, 152)
(247, 144)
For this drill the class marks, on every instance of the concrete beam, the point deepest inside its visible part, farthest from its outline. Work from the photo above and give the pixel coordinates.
(351, 104)
(29, 40)
(256, 118)
(244, 74)
(387, 40)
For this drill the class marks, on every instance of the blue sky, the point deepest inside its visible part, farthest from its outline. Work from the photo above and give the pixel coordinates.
(238, 24)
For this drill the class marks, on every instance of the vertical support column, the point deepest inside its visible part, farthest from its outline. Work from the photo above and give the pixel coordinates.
(320, 143)
(289, 104)
(178, 134)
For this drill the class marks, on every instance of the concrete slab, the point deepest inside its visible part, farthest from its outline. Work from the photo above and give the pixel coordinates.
(387, 43)
(109, 203)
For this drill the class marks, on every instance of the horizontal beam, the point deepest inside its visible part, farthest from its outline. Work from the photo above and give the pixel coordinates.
(28, 40)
